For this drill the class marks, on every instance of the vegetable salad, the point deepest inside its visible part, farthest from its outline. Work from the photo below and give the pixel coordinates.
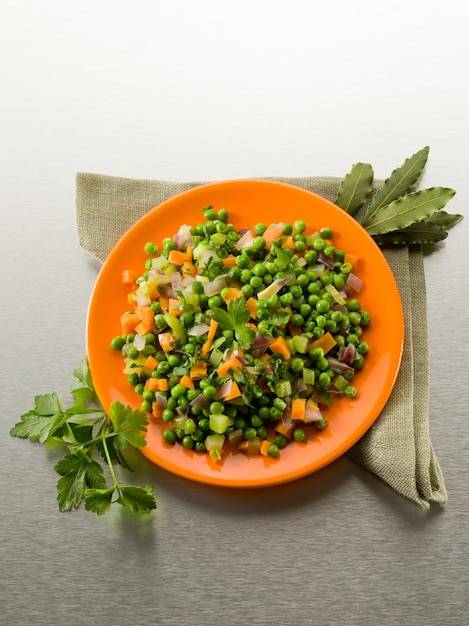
(242, 339)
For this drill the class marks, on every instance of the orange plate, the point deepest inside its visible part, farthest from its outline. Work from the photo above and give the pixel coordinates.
(249, 202)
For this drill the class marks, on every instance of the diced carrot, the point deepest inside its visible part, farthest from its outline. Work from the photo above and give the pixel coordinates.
(264, 447)
(211, 334)
(233, 294)
(288, 242)
(156, 409)
(251, 307)
(150, 364)
(176, 257)
(188, 269)
(129, 277)
(234, 392)
(229, 261)
(284, 429)
(250, 447)
(231, 364)
(298, 408)
(326, 342)
(164, 303)
(156, 384)
(143, 328)
(351, 258)
(131, 301)
(198, 370)
(187, 382)
(128, 322)
(311, 406)
(271, 234)
(145, 313)
(166, 341)
(280, 345)
(175, 306)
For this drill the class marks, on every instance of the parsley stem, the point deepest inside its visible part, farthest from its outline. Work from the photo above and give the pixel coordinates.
(111, 467)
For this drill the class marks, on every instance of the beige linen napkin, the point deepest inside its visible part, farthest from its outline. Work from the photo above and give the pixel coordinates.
(397, 448)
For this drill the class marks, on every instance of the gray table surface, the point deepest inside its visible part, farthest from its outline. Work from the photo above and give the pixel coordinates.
(199, 91)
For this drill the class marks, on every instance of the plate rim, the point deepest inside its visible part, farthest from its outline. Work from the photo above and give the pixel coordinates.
(352, 438)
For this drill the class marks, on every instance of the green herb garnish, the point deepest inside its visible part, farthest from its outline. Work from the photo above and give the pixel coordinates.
(235, 318)
(397, 213)
(90, 436)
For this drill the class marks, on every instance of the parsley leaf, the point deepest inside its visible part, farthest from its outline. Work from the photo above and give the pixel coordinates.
(89, 434)
(235, 318)
(129, 425)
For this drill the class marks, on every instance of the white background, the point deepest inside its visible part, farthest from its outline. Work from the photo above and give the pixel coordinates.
(210, 91)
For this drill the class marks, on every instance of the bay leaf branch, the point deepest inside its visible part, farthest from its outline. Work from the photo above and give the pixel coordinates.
(400, 183)
(355, 188)
(421, 233)
(407, 210)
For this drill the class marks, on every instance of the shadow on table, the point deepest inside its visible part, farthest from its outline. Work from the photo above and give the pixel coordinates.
(343, 481)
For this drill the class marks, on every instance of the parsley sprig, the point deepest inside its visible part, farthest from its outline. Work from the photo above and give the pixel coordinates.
(90, 437)
(235, 318)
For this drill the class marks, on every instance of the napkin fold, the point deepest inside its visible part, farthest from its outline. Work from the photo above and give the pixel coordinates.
(397, 447)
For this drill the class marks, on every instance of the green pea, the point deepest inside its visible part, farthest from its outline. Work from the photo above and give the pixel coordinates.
(178, 391)
(365, 318)
(169, 436)
(299, 434)
(216, 407)
(319, 244)
(215, 302)
(250, 433)
(287, 229)
(311, 256)
(257, 421)
(326, 233)
(350, 391)
(197, 287)
(146, 406)
(167, 415)
(273, 450)
(117, 343)
(299, 226)
(297, 319)
(258, 243)
(151, 248)
(242, 261)
(260, 228)
(223, 215)
(297, 364)
(256, 282)
(248, 290)
(210, 392)
(188, 442)
(133, 353)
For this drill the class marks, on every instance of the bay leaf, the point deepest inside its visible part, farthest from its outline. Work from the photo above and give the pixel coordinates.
(408, 210)
(420, 233)
(444, 219)
(401, 182)
(355, 188)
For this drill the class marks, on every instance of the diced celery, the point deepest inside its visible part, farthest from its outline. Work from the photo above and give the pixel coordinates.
(218, 422)
(300, 343)
(308, 376)
(283, 388)
(160, 262)
(340, 382)
(177, 328)
(213, 442)
(192, 298)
